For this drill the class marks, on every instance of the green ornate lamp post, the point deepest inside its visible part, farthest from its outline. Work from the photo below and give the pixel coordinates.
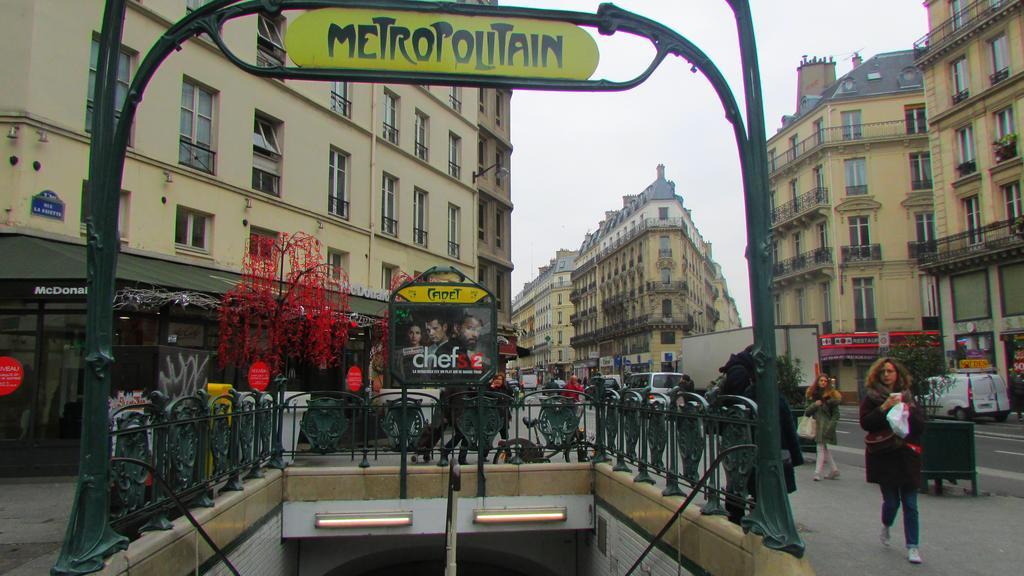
(89, 538)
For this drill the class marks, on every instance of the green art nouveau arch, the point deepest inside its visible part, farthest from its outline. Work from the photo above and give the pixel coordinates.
(89, 538)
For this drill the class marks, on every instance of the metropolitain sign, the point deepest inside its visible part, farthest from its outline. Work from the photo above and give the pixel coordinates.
(407, 41)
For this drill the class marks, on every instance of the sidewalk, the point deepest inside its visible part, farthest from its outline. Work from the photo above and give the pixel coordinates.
(33, 517)
(840, 521)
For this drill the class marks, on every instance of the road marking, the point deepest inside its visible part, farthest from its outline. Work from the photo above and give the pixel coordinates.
(1005, 452)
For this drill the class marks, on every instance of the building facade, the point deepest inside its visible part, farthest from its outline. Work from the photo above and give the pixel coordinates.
(851, 195)
(382, 175)
(972, 58)
(542, 313)
(643, 280)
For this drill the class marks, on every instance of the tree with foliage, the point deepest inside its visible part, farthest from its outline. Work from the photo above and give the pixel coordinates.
(790, 376)
(926, 362)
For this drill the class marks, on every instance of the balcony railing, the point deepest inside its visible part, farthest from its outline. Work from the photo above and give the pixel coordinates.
(422, 152)
(196, 156)
(974, 243)
(967, 168)
(337, 206)
(959, 24)
(454, 170)
(647, 224)
(340, 104)
(816, 197)
(843, 134)
(664, 253)
(918, 249)
(865, 325)
(861, 253)
(807, 261)
(921, 184)
(390, 133)
(999, 76)
(680, 286)
(858, 190)
(389, 226)
(453, 249)
(961, 96)
(419, 236)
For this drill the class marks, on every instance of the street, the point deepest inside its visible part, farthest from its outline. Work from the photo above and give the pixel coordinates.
(999, 452)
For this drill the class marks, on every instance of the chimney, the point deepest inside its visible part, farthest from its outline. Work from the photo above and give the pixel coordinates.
(813, 76)
(661, 171)
(857, 60)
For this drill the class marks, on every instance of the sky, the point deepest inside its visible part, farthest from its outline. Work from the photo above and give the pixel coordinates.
(576, 154)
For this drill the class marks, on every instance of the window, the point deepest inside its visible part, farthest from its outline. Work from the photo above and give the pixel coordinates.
(666, 308)
(481, 221)
(559, 340)
(499, 289)
(856, 176)
(778, 309)
(970, 296)
(826, 301)
(800, 319)
(269, 46)
(387, 276)
(455, 98)
(961, 83)
(851, 125)
(859, 232)
(924, 225)
(195, 147)
(819, 131)
(921, 171)
(972, 219)
(453, 230)
(819, 180)
(390, 128)
(422, 123)
(266, 156)
(664, 247)
(481, 149)
(998, 48)
(337, 183)
(499, 217)
(957, 13)
(482, 101)
(499, 108)
(190, 229)
(499, 168)
(337, 263)
(668, 337)
(798, 243)
(261, 243)
(454, 155)
(1012, 200)
(823, 235)
(965, 151)
(1004, 122)
(794, 191)
(917, 121)
(419, 217)
(388, 218)
(1011, 286)
(124, 77)
(864, 304)
(662, 213)
(666, 276)
(340, 100)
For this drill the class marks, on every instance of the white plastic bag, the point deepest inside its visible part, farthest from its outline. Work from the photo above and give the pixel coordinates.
(899, 419)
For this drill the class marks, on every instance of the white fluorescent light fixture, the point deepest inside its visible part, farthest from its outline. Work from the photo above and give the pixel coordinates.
(519, 515)
(363, 519)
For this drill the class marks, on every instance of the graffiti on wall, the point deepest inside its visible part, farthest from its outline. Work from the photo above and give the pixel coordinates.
(182, 372)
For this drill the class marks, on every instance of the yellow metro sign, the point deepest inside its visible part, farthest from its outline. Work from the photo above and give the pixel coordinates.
(442, 294)
(407, 41)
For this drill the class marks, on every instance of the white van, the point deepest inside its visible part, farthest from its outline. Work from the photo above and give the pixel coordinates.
(975, 394)
(663, 382)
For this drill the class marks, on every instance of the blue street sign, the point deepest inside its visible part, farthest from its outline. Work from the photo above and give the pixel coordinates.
(48, 205)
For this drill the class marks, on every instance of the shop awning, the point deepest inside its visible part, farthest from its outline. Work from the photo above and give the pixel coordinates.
(34, 259)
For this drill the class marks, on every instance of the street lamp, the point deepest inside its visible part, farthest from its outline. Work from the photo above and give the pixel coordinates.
(501, 170)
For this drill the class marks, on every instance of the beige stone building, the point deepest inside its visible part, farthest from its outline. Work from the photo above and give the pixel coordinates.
(972, 58)
(388, 178)
(542, 313)
(851, 183)
(643, 280)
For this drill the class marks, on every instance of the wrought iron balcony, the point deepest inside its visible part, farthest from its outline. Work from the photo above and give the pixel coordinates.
(196, 156)
(1005, 149)
(915, 250)
(664, 253)
(453, 249)
(858, 190)
(340, 104)
(805, 262)
(419, 236)
(422, 152)
(454, 170)
(980, 242)
(865, 325)
(644, 226)
(843, 134)
(674, 287)
(999, 76)
(389, 226)
(958, 25)
(961, 96)
(861, 253)
(805, 202)
(390, 133)
(967, 168)
(337, 206)
(921, 184)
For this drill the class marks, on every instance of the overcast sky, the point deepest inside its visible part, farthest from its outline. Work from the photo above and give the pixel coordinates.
(577, 154)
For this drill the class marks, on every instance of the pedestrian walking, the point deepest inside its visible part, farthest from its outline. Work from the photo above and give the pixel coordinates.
(824, 408)
(891, 461)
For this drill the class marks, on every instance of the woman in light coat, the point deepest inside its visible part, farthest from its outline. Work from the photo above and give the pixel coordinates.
(823, 406)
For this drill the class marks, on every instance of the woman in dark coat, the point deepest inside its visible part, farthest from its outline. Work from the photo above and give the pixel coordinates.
(897, 470)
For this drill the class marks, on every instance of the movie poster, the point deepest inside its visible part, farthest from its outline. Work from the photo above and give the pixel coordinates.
(441, 344)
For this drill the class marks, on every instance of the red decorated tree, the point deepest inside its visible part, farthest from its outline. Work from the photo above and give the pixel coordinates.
(288, 306)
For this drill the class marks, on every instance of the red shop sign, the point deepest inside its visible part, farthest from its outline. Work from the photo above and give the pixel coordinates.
(259, 375)
(11, 375)
(354, 379)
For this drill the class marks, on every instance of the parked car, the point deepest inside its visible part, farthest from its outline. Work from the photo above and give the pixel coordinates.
(663, 382)
(611, 381)
(975, 394)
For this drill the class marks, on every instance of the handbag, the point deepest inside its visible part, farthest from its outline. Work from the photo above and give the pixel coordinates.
(807, 428)
(882, 442)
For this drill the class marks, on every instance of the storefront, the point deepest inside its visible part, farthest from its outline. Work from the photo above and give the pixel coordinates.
(160, 305)
(847, 357)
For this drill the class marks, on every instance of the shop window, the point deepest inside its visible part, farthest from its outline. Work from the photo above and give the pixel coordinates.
(970, 296)
(974, 351)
